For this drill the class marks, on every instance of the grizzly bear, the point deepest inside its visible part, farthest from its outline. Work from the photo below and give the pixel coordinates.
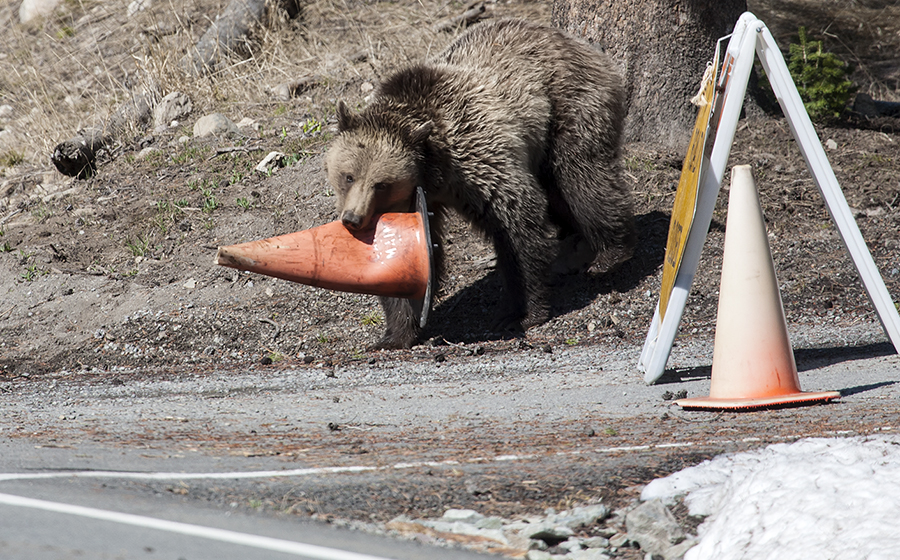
(515, 126)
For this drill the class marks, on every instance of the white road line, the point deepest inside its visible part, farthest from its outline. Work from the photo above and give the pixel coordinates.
(184, 476)
(223, 535)
(234, 475)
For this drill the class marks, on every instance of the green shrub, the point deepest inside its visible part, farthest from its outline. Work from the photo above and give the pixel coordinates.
(11, 158)
(821, 78)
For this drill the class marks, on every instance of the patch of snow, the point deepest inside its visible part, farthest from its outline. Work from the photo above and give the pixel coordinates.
(825, 498)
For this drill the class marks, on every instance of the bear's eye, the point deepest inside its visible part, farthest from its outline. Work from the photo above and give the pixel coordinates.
(349, 179)
(380, 186)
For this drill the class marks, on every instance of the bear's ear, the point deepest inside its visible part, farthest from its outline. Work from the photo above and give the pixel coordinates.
(421, 132)
(346, 119)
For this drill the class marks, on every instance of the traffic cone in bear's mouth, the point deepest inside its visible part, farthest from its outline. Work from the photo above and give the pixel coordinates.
(392, 258)
(753, 362)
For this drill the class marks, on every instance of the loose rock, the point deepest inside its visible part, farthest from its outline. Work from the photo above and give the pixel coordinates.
(147, 152)
(596, 542)
(588, 554)
(138, 6)
(546, 538)
(619, 540)
(31, 9)
(462, 515)
(286, 91)
(173, 107)
(583, 516)
(655, 529)
(549, 531)
(215, 124)
(271, 162)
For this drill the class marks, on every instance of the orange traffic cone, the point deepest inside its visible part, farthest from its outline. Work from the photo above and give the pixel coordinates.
(753, 362)
(393, 258)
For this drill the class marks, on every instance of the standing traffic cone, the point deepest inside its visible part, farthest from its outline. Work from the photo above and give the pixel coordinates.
(393, 258)
(753, 362)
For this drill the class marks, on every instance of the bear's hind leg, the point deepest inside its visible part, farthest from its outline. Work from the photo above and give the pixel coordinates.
(590, 192)
(574, 256)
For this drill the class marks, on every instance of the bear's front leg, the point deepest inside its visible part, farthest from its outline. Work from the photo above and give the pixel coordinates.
(402, 325)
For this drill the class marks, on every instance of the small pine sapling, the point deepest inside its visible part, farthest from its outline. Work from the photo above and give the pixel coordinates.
(821, 78)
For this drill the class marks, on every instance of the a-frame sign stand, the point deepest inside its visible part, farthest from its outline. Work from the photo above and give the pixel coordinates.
(702, 176)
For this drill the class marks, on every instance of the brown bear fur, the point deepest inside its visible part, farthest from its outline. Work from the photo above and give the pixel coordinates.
(517, 128)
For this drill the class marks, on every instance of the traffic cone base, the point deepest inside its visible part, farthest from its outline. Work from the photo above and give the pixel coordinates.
(790, 399)
(393, 258)
(753, 362)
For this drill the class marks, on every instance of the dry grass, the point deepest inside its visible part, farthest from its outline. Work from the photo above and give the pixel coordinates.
(72, 69)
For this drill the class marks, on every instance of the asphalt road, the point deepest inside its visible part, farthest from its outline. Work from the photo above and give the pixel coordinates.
(233, 464)
(52, 510)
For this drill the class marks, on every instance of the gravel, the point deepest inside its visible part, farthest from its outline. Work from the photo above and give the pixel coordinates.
(590, 532)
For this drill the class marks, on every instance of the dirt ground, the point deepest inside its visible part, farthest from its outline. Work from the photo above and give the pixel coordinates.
(118, 269)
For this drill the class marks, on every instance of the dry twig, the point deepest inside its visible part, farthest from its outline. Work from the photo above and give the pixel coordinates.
(473, 13)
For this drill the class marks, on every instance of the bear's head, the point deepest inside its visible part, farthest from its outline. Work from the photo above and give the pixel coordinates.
(373, 167)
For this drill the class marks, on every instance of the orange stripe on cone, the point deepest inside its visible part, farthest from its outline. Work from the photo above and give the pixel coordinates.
(391, 259)
(753, 362)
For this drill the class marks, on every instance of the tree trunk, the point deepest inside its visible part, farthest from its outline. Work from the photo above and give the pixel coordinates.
(662, 47)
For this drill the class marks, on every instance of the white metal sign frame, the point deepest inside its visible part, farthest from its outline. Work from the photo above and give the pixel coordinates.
(751, 38)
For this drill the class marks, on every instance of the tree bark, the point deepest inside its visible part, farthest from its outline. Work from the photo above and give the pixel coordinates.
(662, 47)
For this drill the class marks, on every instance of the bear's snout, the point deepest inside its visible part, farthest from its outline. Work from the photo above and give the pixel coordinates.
(351, 220)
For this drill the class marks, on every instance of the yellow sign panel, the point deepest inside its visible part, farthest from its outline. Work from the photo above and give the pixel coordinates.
(688, 186)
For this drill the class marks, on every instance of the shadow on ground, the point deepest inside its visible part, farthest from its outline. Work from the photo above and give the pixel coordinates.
(807, 359)
(813, 358)
(468, 314)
